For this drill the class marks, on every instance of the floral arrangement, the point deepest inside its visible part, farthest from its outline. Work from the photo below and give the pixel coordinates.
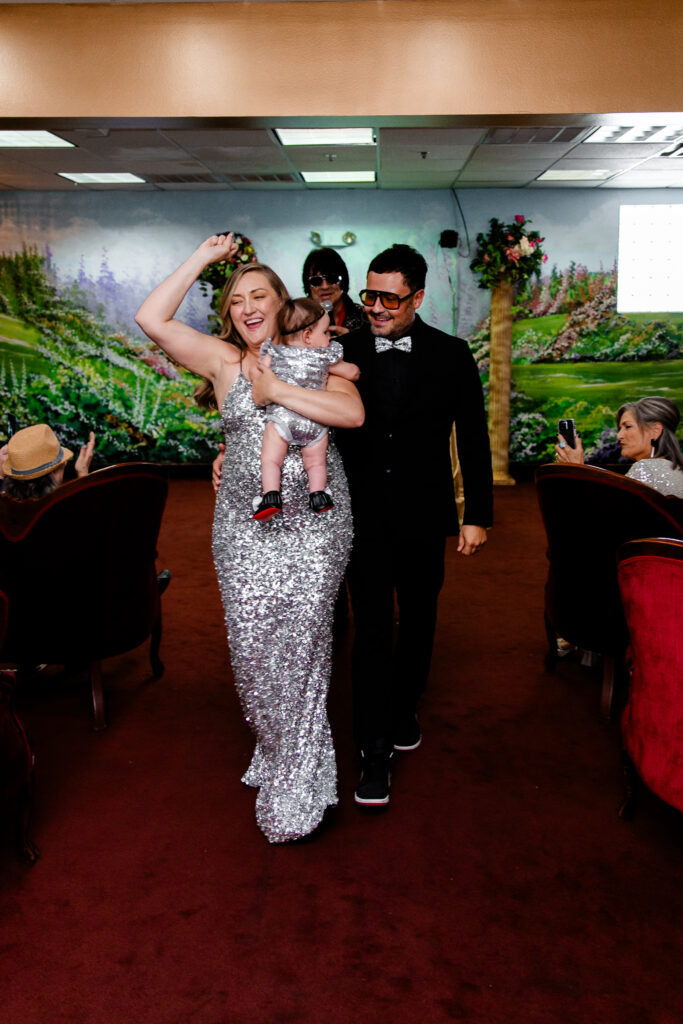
(212, 279)
(509, 252)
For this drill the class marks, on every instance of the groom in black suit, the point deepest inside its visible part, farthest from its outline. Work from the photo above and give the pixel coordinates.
(415, 382)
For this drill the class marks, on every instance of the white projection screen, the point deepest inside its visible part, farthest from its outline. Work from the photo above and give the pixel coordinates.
(650, 276)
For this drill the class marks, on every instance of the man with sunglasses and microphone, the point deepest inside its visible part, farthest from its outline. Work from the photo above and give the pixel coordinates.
(415, 383)
(326, 279)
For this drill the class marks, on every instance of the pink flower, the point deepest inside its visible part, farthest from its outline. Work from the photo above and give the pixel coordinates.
(519, 218)
(510, 238)
(545, 259)
(487, 258)
(513, 253)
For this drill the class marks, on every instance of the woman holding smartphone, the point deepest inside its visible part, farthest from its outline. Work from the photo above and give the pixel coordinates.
(646, 432)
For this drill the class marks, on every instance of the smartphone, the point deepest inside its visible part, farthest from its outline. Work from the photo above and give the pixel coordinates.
(567, 429)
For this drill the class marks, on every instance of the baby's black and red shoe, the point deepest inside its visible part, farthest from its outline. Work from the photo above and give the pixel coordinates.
(267, 506)
(320, 501)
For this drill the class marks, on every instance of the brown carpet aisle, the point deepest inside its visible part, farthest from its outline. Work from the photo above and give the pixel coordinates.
(500, 887)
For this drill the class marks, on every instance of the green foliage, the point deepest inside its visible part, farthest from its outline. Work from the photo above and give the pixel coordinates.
(81, 376)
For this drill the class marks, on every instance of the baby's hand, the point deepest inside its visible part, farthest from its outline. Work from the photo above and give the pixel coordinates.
(349, 371)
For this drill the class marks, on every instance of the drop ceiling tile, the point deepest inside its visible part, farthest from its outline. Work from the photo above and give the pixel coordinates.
(430, 138)
(570, 163)
(413, 161)
(416, 181)
(54, 160)
(662, 163)
(125, 145)
(28, 178)
(607, 150)
(202, 186)
(347, 158)
(649, 179)
(194, 139)
(153, 167)
(564, 184)
(248, 161)
(544, 152)
(499, 172)
(270, 186)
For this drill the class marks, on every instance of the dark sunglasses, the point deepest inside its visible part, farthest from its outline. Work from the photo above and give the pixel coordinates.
(388, 299)
(318, 279)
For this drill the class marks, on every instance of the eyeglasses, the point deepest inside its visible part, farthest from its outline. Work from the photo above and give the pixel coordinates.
(388, 299)
(318, 279)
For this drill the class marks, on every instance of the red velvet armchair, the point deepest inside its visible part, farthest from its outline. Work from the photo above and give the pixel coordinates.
(78, 571)
(588, 513)
(651, 584)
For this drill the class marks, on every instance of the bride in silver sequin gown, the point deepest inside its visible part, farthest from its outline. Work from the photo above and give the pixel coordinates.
(278, 580)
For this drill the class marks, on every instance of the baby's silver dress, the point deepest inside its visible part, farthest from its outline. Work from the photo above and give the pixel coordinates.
(279, 581)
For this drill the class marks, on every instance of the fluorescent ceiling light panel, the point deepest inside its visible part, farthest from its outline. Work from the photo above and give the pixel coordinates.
(326, 136)
(652, 134)
(575, 175)
(342, 177)
(108, 178)
(32, 140)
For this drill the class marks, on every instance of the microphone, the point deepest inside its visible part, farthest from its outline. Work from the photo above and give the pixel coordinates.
(327, 306)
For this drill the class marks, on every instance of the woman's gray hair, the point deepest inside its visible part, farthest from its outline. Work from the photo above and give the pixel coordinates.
(649, 411)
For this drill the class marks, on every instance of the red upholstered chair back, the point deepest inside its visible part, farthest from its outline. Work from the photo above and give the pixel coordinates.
(78, 567)
(588, 513)
(651, 583)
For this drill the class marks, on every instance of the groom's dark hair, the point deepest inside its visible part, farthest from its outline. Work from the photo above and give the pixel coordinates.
(402, 259)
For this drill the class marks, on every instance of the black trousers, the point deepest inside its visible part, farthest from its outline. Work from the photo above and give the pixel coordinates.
(395, 571)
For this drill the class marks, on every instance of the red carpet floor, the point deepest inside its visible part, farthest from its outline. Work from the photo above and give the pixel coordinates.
(499, 888)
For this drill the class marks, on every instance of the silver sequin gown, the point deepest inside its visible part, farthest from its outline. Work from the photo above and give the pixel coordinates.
(279, 581)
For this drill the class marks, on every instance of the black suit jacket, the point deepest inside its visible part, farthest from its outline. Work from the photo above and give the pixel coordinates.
(398, 463)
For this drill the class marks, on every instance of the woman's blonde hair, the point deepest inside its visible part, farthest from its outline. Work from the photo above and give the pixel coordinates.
(204, 393)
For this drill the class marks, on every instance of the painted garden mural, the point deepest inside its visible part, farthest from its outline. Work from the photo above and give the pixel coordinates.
(71, 354)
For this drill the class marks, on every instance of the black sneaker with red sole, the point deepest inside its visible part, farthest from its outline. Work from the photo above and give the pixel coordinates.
(269, 506)
(320, 501)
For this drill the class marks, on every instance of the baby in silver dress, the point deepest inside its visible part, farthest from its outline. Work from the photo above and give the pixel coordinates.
(304, 357)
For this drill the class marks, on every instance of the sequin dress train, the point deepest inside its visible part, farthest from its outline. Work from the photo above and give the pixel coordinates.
(279, 581)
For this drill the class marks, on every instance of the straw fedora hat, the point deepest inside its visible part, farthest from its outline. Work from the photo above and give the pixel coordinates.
(34, 452)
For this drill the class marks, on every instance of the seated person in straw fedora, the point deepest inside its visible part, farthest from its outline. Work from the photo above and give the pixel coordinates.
(33, 461)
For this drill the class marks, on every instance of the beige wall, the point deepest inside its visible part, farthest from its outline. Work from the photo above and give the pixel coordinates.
(397, 57)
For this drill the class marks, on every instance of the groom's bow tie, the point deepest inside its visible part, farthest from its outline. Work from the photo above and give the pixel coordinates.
(384, 344)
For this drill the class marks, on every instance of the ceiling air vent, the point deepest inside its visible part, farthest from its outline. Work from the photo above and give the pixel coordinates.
(185, 179)
(531, 136)
(265, 179)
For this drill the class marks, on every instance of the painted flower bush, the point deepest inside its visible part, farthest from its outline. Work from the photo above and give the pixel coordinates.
(509, 252)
